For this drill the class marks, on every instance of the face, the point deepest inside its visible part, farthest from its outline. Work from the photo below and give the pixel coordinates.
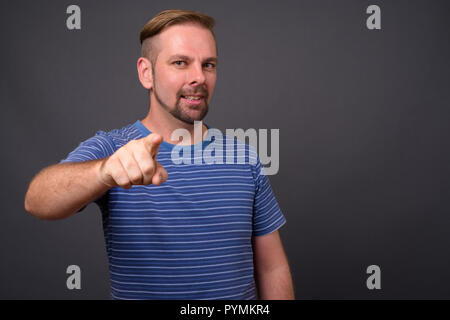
(184, 74)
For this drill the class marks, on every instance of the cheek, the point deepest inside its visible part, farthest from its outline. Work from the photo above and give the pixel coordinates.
(175, 81)
(169, 83)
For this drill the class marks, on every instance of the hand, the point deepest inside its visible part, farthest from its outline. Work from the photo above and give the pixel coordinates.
(134, 164)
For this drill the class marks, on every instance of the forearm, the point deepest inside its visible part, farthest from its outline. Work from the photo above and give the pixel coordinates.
(60, 190)
(275, 284)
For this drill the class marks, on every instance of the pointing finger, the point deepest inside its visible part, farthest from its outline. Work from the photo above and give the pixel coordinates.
(152, 143)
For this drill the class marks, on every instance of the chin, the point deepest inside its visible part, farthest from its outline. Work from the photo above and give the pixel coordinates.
(195, 115)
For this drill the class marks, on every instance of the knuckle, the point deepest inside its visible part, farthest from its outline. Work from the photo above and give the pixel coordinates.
(148, 168)
(118, 174)
(147, 181)
(136, 178)
(129, 167)
(122, 181)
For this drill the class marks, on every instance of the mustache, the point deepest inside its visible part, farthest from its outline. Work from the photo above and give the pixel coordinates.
(201, 91)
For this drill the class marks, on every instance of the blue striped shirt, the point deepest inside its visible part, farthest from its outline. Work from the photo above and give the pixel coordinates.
(190, 237)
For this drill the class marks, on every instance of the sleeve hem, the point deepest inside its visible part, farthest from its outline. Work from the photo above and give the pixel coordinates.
(273, 229)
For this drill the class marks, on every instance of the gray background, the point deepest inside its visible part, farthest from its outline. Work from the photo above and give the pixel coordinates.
(363, 116)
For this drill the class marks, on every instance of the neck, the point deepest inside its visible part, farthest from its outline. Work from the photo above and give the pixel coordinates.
(159, 121)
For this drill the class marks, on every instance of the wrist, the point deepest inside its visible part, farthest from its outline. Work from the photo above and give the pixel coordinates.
(102, 177)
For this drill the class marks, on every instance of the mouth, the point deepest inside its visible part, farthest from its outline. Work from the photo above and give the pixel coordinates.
(193, 100)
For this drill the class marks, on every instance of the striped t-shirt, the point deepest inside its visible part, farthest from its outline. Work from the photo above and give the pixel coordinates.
(190, 237)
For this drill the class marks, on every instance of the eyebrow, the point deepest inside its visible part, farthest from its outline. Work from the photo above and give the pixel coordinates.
(183, 57)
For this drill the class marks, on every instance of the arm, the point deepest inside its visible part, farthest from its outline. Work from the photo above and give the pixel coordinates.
(61, 190)
(273, 276)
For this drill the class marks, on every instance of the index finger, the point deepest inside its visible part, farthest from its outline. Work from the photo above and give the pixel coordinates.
(152, 142)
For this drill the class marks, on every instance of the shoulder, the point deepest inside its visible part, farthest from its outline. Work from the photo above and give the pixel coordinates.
(120, 137)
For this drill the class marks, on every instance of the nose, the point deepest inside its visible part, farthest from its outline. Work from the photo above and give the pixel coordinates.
(196, 76)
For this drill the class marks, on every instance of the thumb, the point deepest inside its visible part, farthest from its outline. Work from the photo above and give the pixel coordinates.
(160, 175)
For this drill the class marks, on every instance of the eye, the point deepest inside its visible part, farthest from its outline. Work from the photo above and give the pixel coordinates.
(179, 62)
(210, 65)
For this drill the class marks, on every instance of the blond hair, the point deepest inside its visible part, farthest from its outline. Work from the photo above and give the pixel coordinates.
(168, 18)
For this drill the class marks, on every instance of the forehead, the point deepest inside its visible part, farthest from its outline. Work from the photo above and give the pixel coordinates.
(187, 39)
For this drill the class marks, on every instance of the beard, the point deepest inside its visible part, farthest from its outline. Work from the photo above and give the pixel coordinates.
(187, 114)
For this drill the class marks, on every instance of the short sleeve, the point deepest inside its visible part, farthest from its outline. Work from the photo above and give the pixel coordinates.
(267, 216)
(97, 147)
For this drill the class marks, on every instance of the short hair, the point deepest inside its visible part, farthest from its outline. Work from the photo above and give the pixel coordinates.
(168, 18)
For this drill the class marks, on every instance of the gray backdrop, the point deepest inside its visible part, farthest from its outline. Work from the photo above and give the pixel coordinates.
(363, 116)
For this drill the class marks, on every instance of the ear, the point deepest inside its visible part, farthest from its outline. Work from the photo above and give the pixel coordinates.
(144, 68)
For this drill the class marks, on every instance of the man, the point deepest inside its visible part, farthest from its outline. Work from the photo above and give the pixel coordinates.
(173, 231)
